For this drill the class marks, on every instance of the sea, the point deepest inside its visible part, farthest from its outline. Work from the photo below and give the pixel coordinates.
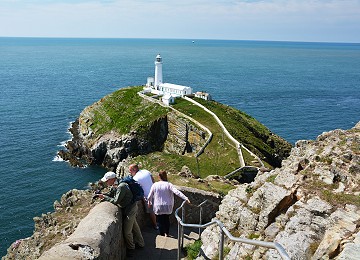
(297, 89)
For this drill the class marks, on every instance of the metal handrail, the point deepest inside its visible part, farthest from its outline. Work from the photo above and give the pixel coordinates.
(223, 231)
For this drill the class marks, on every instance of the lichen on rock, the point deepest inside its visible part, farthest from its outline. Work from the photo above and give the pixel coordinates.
(311, 205)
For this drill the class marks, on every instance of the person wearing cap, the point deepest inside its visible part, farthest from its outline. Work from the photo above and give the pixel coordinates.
(121, 195)
(146, 180)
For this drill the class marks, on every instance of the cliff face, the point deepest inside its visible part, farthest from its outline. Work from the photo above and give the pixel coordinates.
(162, 131)
(51, 228)
(124, 124)
(169, 133)
(183, 137)
(118, 126)
(311, 205)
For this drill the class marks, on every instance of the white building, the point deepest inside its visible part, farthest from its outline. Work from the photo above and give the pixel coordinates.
(155, 85)
(150, 82)
(203, 95)
(168, 99)
(176, 90)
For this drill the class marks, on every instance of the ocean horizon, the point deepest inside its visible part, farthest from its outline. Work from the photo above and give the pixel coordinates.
(296, 89)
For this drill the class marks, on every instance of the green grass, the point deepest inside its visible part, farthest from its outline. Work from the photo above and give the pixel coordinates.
(173, 163)
(220, 156)
(247, 130)
(340, 198)
(225, 253)
(326, 192)
(193, 249)
(253, 236)
(124, 111)
(271, 178)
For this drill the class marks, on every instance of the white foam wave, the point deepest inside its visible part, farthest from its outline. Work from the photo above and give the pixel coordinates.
(63, 143)
(57, 158)
(69, 127)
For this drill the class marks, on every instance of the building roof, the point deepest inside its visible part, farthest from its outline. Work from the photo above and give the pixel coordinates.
(202, 93)
(173, 86)
(167, 96)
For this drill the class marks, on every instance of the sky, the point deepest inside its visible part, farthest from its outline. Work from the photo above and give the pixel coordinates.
(275, 20)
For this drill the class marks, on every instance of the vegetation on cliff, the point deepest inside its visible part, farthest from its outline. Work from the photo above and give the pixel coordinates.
(123, 111)
(52, 227)
(124, 125)
(244, 128)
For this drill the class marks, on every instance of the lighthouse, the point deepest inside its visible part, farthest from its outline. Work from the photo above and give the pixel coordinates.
(167, 91)
(158, 72)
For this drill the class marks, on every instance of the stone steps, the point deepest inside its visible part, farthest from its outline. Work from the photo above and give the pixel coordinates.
(159, 247)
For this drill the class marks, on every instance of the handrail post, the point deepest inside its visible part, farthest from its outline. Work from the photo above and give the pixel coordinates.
(223, 231)
(200, 221)
(221, 244)
(179, 241)
(182, 229)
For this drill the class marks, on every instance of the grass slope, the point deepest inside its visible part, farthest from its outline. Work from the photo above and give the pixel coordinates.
(247, 130)
(124, 111)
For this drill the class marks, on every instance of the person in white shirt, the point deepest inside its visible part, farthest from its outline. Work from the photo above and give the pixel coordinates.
(162, 198)
(146, 180)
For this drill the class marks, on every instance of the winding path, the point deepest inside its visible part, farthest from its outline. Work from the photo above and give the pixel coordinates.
(236, 142)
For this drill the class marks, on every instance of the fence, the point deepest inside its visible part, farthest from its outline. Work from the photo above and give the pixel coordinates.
(223, 232)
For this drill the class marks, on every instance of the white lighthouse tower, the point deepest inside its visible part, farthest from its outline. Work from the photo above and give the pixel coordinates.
(158, 72)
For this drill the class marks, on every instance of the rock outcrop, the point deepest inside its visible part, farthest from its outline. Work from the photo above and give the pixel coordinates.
(53, 227)
(111, 148)
(311, 205)
(124, 124)
(168, 132)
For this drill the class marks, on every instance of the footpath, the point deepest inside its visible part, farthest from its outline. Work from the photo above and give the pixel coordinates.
(162, 248)
(236, 143)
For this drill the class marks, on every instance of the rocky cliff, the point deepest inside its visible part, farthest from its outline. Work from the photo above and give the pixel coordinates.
(163, 131)
(124, 125)
(53, 227)
(311, 205)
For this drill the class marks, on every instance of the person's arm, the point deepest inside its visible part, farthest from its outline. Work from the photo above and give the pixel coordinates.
(107, 195)
(178, 193)
(150, 196)
(119, 195)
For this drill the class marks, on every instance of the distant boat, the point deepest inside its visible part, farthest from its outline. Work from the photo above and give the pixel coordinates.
(193, 41)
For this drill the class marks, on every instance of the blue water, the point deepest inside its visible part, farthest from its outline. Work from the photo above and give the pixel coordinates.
(298, 90)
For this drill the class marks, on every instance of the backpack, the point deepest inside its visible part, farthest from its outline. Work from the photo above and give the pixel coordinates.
(136, 189)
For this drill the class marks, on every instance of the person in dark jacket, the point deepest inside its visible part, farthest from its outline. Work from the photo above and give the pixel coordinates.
(120, 195)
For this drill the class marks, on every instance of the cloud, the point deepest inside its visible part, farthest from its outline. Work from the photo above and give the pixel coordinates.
(228, 19)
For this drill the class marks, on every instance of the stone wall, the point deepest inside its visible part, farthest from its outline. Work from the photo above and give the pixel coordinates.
(192, 212)
(183, 135)
(97, 235)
